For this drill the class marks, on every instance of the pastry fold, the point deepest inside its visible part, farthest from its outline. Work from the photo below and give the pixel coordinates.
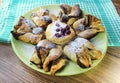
(54, 54)
(41, 18)
(27, 37)
(57, 65)
(75, 12)
(88, 26)
(48, 57)
(82, 52)
(66, 9)
(24, 25)
(69, 14)
(87, 34)
(41, 52)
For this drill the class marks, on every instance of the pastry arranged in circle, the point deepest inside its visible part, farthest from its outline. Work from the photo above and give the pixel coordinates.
(60, 38)
(59, 32)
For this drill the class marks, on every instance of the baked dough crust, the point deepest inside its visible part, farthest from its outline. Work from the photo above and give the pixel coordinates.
(51, 31)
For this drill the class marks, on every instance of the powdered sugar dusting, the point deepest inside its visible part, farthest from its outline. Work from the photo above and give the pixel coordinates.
(29, 23)
(75, 46)
(50, 45)
(37, 30)
(46, 44)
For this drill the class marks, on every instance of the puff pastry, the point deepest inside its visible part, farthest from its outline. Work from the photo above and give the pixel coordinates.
(66, 9)
(63, 17)
(75, 11)
(42, 21)
(41, 18)
(57, 65)
(41, 52)
(81, 51)
(27, 37)
(59, 33)
(87, 34)
(54, 54)
(60, 38)
(24, 25)
(40, 12)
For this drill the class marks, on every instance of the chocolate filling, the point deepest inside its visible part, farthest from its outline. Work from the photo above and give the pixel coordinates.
(64, 18)
(38, 54)
(19, 24)
(80, 64)
(16, 35)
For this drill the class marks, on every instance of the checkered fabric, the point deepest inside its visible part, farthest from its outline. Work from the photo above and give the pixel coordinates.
(11, 10)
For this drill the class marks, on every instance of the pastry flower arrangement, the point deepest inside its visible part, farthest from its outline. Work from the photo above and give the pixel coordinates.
(61, 38)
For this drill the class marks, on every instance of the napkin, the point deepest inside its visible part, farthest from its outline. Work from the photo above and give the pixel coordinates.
(11, 10)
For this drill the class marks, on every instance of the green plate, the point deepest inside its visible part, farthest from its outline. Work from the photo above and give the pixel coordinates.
(24, 51)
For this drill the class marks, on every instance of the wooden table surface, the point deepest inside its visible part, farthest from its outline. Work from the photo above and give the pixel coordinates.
(14, 71)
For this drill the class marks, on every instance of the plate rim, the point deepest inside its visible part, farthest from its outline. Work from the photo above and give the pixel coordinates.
(17, 54)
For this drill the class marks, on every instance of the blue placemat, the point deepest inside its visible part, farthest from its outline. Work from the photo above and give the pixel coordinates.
(10, 11)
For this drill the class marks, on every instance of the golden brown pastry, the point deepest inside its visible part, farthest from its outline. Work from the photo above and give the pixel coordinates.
(53, 17)
(57, 65)
(89, 19)
(66, 9)
(54, 54)
(59, 33)
(42, 21)
(98, 27)
(35, 58)
(87, 34)
(88, 27)
(71, 21)
(41, 18)
(75, 12)
(83, 58)
(70, 14)
(41, 51)
(24, 25)
(27, 37)
(95, 54)
(31, 38)
(23, 29)
(41, 12)
(79, 24)
(63, 17)
(82, 51)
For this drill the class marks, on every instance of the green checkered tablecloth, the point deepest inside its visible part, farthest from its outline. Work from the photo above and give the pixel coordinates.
(10, 10)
